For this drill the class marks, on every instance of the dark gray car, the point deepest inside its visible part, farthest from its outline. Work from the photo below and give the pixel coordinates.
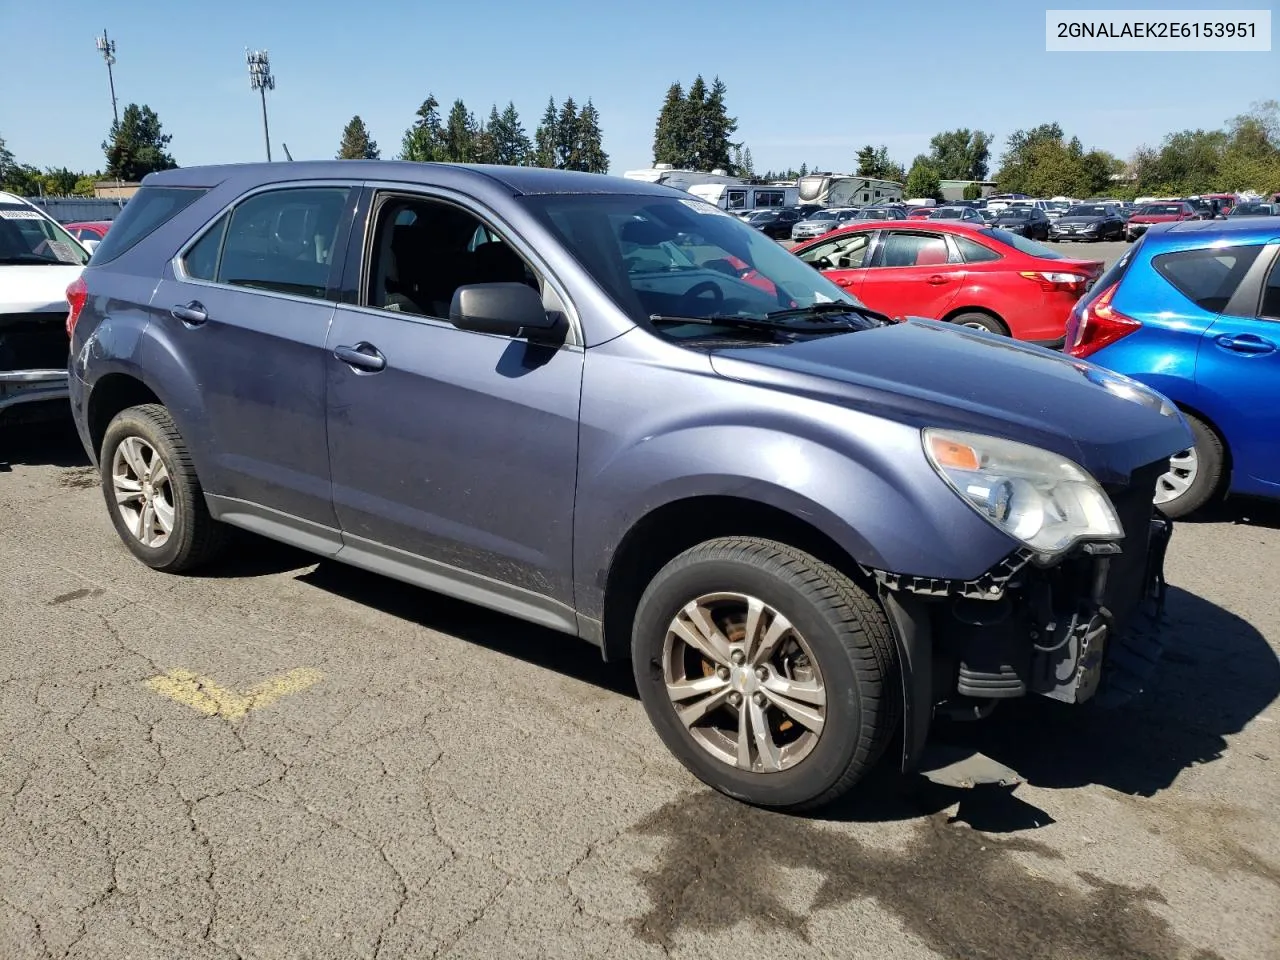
(619, 412)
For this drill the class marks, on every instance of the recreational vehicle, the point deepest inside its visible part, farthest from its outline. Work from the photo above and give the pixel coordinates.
(746, 197)
(669, 176)
(843, 190)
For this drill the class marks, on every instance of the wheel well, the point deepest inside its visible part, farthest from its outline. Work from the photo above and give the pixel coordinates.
(982, 310)
(1208, 422)
(111, 394)
(675, 527)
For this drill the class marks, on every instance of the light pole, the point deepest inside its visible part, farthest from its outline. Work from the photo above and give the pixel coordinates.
(260, 79)
(107, 48)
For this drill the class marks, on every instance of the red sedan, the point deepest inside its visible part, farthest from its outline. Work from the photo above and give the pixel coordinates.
(93, 230)
(920, 213)
(1165, 212)
(966, 274)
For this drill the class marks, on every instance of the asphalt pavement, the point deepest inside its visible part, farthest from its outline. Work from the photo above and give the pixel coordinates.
(287, 758)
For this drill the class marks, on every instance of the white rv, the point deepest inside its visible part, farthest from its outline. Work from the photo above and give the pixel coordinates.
(746, 197)
(843, 190)
(669, 176)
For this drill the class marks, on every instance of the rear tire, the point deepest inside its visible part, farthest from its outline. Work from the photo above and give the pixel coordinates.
(832, 654)
(980, 321)
(1195, 476)
(142, 450)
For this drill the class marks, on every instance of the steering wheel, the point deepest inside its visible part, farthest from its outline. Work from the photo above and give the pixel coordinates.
(692, 297)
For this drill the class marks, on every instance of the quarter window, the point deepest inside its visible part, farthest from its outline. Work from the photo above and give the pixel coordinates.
(283, 241)
(974, 252)
(1206, 277)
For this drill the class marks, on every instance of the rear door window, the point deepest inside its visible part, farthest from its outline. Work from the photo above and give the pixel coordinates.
(1207, 277)
(148, 210)
(282, 241)
(1271, 295)
(973, 252)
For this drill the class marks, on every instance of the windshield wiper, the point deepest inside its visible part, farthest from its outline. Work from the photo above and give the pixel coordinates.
(819, 309)
(769, 322)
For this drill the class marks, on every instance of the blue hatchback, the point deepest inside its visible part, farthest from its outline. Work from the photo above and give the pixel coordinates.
(1193, 310)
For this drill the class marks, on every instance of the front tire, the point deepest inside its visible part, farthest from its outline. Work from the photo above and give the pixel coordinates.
(770, 675)
(152, 492)
(1195, 475)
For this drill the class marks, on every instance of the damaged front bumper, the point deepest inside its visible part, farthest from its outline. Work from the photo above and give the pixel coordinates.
(1083, 629)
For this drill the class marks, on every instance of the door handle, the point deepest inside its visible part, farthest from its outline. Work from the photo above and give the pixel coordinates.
(938, 278)
(363, 356)
(843, 281)
(1249, 343)
(193, 314)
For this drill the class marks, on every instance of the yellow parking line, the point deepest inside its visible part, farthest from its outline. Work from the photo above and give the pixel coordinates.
(204, 696)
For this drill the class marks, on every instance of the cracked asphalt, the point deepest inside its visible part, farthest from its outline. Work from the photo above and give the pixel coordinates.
(440, 782)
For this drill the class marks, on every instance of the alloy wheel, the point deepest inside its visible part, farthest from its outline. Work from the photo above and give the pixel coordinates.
(143, 492)
(1184, 467)
(744, 682)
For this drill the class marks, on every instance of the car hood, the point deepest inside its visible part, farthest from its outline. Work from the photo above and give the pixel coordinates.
(36, 288)
(926, 373)
(1080, 221)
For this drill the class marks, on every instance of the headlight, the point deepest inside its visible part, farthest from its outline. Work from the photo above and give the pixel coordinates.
(1039, 498)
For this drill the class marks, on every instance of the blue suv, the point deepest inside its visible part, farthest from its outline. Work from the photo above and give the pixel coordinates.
(615, 410)
(1193, 310)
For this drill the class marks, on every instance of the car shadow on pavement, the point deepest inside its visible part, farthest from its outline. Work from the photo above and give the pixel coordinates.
(46, 443)
(1241, 511)
(486, 628)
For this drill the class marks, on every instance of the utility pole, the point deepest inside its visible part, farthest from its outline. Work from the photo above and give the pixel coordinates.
(260, 79)
(107, 48)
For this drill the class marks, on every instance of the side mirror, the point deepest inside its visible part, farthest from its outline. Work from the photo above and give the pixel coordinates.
(507, 309)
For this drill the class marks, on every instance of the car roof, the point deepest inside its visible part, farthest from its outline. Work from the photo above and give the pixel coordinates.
(14, 198)
(1196, 233)
(520, 180)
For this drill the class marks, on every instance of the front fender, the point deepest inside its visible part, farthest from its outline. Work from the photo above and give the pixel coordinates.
(876, 497)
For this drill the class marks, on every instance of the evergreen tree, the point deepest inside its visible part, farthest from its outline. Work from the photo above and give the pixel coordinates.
(692, 119)
(742, 163)
(424, 141)
(668, 145)
(867, 162)
(591, 153)
(804, 170)
(356, 142)
(459, 134)
(568, 143)
(6, 161)
(136, 145)
(511, 143)
(485, 147)
(545, 136)
(716, 130)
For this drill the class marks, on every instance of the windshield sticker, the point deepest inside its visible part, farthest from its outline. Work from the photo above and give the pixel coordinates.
(63, 251)
(700, 206)
(20, 215)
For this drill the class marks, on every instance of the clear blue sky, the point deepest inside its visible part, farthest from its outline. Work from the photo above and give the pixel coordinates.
(379, 58)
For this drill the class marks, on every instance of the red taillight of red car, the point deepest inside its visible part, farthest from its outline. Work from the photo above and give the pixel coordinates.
(1099, 324)
(1055, 282)
(77, 296)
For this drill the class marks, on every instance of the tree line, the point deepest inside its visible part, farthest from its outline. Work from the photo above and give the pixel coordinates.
(567, 138)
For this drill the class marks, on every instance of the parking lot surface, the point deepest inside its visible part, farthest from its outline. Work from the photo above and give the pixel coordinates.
(289, 758)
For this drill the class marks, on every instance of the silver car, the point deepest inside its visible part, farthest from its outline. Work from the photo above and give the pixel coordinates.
(824, 221)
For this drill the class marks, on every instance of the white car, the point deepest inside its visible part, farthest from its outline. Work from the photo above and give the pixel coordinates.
(38, 261)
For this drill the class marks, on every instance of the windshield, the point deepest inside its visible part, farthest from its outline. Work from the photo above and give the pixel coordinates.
(822, 215)
(1021, 244)
(1159, 209)
(948, 213)
(762, 215)
(1020, 213)
(29, 237)
(1252, 210)
(1087, 211)
(675, 257)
